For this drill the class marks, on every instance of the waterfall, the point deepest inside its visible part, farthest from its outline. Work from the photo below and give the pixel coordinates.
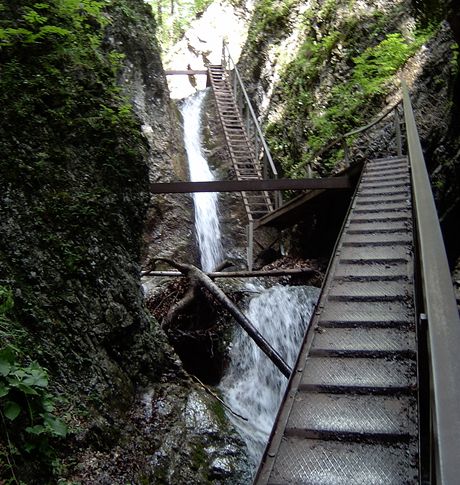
(206, 211)
(253, 387)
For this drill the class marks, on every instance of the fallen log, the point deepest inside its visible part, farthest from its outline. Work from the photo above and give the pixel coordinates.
(198, 277)
(236, 274)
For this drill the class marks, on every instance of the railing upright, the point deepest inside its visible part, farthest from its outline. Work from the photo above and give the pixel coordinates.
(440, 308)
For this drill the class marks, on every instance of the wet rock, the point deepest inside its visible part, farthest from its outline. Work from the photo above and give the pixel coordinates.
(169, 223)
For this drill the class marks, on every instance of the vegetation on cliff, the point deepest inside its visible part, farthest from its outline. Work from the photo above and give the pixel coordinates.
(73, 196)
(83, 367)
(359, 49)
(321, 69)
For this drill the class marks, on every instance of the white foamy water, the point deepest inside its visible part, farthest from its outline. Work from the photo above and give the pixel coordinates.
(253, 387)
(206, 209)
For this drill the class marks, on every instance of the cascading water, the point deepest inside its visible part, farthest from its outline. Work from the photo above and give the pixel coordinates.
(206, 209)
(253, 387)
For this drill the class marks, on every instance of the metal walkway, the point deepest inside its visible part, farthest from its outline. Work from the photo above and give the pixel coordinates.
(350, 414)
(244, 160)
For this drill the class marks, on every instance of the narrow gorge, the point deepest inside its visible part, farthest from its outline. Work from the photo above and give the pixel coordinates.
(113, 368)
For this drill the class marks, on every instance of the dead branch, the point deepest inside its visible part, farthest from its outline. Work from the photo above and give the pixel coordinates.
(197, 277)
(180, 306)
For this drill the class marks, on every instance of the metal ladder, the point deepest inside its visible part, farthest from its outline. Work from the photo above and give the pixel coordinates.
(244, 160)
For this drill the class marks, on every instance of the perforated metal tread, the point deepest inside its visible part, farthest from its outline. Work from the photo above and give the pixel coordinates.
(351, 311)
(350, 412)
(376, 235)
(383, 417)
(330, 463)
(367, 339)
(370, 290)
(378, 373)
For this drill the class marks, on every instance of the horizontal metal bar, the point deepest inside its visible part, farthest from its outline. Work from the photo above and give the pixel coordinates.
(441, 310)
(186, 72)
(250, 185)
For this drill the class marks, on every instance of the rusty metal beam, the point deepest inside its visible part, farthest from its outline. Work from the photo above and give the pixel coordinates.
(250, 185)
(186, 72)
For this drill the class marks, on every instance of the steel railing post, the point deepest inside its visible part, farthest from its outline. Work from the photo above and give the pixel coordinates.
(250, 249)
(397, 122)
(346, 152)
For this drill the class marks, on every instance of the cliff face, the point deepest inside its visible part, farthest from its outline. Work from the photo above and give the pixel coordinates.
(320, 69)
(74, 185)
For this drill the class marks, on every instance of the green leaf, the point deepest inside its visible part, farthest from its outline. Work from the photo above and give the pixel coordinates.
(55, 425)
(7, 358)
(19, 373)
(36, 430)
(26, 389)
(4, 389)
(28, 446)
(48, 404)
(5, 367)
(11, 410)
(37, 377)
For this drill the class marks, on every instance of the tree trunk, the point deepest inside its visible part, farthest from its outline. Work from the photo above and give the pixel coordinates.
(198, 277)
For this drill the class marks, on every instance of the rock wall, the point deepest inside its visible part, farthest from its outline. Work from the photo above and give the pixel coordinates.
(74, 185)
(318, 69)
(169, 222)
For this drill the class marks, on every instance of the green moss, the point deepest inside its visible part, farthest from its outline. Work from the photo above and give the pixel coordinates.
(270, 18)
(218, 411)
(199, 457)
(307, 126)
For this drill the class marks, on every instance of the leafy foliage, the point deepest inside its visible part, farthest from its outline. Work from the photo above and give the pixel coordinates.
(26, 405)
(309, 124)
(270, 17)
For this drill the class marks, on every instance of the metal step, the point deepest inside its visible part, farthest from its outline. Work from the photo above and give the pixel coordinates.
(376, 253)
(380, 375)
(363, 269)
(371, 312)
(332, 463)
(377, 235)
(377, 340)
(368, 416)
(366, 290)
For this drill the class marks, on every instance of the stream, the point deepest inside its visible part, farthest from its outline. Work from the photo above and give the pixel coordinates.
(206, 210)
(252, 386)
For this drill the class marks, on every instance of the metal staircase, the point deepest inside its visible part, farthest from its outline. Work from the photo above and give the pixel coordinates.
(245, 161)
(350, 415)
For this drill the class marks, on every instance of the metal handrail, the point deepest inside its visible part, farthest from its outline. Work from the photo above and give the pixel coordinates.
(441, 311)
(343, 138)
